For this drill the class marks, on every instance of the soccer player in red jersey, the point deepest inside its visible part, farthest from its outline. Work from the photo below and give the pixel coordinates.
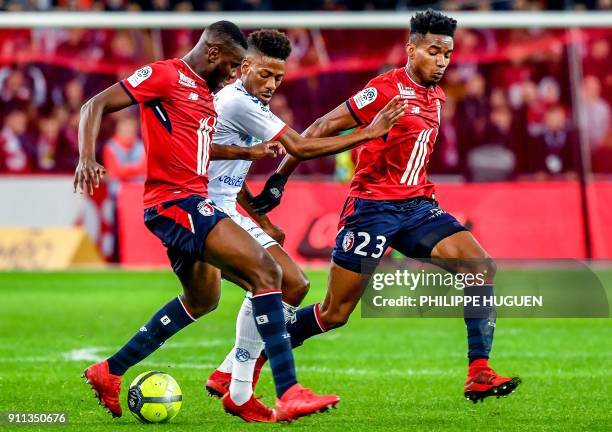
(178, 119)
(391, 201)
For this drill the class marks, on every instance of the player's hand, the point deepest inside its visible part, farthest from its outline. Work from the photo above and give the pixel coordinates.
(87, 176)
(275, 232)
(387, 117)
(266, 149)
(271, 194)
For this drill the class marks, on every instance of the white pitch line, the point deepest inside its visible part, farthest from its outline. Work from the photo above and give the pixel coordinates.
(92, 354)
(85, 354)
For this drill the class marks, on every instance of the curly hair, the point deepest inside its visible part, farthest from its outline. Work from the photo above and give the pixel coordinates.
(271, 43)
(431, 21)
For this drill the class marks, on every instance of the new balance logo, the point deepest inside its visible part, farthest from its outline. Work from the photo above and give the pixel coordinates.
(165, 320)
(143, 329)
(262, 319)
(184, 80)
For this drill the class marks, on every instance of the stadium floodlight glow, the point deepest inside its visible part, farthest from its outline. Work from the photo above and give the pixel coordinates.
(336, 20)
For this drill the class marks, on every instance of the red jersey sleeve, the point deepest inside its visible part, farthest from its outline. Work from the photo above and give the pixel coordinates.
(151, 82)
(365, 104)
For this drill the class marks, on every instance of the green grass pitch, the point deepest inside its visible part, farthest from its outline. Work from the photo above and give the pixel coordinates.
(402, 374)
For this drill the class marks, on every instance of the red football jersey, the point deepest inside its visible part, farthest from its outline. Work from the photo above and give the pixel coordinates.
(394, 167)
(178, 118)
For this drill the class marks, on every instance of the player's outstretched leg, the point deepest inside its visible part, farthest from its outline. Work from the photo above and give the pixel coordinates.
(201, 285)
(244, 258)
(461, 252)
(240, 372)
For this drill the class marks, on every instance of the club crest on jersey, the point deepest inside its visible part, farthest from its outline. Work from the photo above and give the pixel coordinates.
(206, 208)
(348, 241)
(365, 97)
(139, 76)
(406, 92)
(184, 80)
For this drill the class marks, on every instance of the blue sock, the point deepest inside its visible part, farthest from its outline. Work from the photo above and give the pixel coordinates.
(165, 323)
(270, 320)
(306, 324)
(480, 323)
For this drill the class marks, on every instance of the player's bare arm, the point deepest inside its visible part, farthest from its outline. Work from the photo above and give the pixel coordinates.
(257, 152)
(308, 148)
(274, 231)
(89, 172)
(335, 121)
(310, 145)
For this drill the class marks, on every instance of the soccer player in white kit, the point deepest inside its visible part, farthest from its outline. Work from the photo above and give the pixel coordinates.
(244, 120)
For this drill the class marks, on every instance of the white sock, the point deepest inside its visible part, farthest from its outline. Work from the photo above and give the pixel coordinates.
(248, 347)
(247, 337)
(227, 364)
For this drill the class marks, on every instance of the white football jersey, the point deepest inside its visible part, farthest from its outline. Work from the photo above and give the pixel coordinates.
(242, 121)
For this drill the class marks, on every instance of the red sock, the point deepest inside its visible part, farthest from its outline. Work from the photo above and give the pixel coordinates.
(478, 365)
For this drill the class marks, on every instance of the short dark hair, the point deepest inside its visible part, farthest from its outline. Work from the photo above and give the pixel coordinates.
(433, 22)
(226, 32)
(271, 43)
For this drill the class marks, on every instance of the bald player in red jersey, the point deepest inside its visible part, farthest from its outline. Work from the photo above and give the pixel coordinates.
(391, 201)
(178, 120)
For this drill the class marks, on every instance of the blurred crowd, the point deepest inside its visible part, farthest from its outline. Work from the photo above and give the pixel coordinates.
(510, 109)
(279, 5)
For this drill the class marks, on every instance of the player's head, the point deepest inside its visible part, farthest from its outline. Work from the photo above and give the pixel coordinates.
(263, 68)
(430, 45)
(224, 47)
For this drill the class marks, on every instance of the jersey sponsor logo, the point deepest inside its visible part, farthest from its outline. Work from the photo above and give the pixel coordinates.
(193, 96)
(365, 97)
(205, 208)
(415, 110)
(231, 181)
(139, 76)
(348, 241)
(406, 92)
(184, 80)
